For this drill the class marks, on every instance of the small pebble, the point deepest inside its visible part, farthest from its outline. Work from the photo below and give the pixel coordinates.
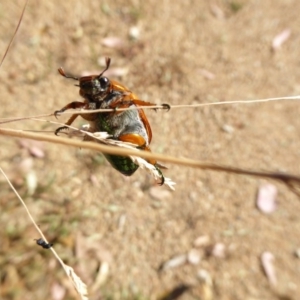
(174, 262)
(134, 32)
(227, 128)
(194, 257)
(297, 253)
(266, 198)
(267, 259)
(202, 241)
(218, 250)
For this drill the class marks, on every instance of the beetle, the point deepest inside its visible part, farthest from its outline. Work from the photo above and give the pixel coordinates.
(43, 244)
(99, 92)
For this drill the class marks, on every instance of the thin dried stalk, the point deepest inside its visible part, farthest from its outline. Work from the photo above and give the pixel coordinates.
(79, 285)
(82, 111)
(14, 35)
(292, 181)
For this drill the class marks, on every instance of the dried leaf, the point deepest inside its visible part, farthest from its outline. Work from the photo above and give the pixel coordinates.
(206, 284)
(79, 285)
(101, 276)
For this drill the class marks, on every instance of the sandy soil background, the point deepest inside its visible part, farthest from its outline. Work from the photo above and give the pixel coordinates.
(184, 52)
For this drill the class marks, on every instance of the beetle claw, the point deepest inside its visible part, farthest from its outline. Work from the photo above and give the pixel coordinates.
(166, 106)
(57, 113)
(59, 129)
(161, 175)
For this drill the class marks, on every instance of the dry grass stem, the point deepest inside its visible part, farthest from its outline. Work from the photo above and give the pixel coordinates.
(76, 281)
(72, 112)
(292, 181)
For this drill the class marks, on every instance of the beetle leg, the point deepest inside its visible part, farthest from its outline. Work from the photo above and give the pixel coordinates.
(142, 103)
(69, 122)
(72, 105)
(126, 101)
(161, 174)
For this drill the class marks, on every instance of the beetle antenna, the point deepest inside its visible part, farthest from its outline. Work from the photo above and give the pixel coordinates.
(62, 73)
(107, 62)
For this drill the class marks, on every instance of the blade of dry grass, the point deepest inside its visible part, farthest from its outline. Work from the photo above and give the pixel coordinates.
(292, 181)
(82, 112)
(188, 105)
(76, 281)
(14, 35)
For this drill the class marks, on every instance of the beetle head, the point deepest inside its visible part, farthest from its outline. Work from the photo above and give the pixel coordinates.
(93, 85)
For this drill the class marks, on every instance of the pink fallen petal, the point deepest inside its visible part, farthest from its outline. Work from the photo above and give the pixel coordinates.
(207, 74)
(218, 250)
(35, 148)
(217, 11)
(36, 152)
(58, 292)
(158, 193)
(280, 38)
(266, 198)
(113, 42)
(267, 259)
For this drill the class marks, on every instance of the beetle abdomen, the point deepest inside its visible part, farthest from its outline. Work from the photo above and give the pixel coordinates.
(122, 164)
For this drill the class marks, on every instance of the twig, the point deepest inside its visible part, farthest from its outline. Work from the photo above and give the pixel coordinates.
(77, 282)
(292, 181)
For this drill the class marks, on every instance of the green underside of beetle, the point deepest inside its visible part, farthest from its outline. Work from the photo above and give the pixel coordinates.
(122, 164)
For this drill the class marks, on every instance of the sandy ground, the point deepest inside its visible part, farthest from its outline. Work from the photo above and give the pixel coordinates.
(185, 52)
